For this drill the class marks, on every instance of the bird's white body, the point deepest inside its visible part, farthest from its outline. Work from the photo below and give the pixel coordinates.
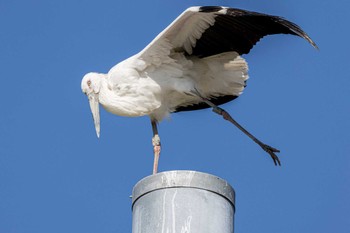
(194, 63)
(136, 88)
(162, 78)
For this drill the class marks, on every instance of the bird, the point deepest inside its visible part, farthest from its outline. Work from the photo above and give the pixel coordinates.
(194, 63)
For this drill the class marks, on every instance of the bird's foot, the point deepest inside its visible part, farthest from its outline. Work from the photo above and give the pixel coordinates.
(271, 151)
(156, 150)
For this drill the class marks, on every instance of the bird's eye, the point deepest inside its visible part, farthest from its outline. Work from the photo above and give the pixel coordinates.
(88, 83)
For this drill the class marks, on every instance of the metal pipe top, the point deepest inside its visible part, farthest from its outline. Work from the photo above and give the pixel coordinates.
(183, 179)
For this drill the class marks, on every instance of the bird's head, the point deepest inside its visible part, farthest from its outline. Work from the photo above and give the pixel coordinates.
(91, 85)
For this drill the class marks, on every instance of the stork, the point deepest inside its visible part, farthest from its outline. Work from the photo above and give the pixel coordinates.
(194, 63)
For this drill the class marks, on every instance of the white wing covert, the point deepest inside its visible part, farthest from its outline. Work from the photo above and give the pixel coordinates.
(181, 35)
(211, 30)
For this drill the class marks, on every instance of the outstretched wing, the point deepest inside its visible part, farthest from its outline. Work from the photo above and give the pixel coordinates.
(210, 30)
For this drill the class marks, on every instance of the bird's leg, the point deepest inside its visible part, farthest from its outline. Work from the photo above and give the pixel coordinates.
(270, 150)
(156, 145)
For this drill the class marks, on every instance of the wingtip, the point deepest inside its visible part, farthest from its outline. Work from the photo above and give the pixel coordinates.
(315, 46)
(311, 41)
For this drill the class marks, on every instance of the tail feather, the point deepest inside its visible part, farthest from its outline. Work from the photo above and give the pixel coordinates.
(227, 74)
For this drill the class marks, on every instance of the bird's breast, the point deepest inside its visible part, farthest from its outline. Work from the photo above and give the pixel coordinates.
(134, 99)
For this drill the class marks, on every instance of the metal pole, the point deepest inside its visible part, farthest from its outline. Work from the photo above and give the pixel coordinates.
(182, 202)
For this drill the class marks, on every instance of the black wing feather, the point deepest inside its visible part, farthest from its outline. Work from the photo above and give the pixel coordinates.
(215, 100)
(239, 30)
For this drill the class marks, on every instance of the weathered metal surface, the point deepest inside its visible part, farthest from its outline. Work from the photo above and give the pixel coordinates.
(183, 202)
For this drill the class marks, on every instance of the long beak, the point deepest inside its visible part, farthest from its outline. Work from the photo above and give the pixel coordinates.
(95, 110)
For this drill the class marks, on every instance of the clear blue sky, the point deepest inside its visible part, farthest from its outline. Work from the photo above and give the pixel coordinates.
(56, 176)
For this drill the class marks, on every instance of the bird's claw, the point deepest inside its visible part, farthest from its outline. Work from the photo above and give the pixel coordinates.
(271, 151)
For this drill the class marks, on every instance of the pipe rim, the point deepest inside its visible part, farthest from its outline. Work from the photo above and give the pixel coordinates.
(183, 179)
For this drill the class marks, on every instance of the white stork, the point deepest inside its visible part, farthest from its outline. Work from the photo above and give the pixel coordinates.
(194, 63)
